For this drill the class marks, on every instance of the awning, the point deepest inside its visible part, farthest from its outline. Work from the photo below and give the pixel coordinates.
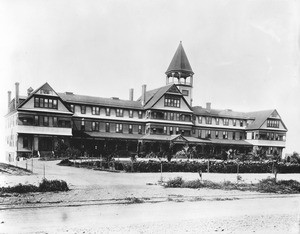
(111, 135)
(229, 142)
(168, 138)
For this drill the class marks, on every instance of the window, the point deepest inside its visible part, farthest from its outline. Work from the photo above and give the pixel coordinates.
(50, 103)
(36, 120)
(225, 135)
(241, 123)
(165, 130)
(217, 121)
(72, 107)
(36, 102)
(207, 134)
(54, 106)
(107, 111)
(140, 129)
(107, 127)
(208, 120)
(41, 102)
(46, 121)
(46, 101)
(200, 119)
(172, 101)
(233, 135)
(225, 121)
(273, 123)
(45, 91)
(241, 136)
(252, 135)
(171, 130)
(140, 114)
(217, 134)
(130, 113)
(119, 112)
(185, 92)
(234, 122)
(82, 125)
(55, 121)
(25, 142)
(171, 116)
(95, 110)
(95, 126)
(130, 128)
(83, 109)
(199, 133)
(119, 127)
(177, 130)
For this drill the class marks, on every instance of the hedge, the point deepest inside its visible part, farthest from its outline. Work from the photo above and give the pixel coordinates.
(214, 166)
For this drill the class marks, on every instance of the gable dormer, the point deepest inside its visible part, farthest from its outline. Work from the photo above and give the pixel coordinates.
(44, 99)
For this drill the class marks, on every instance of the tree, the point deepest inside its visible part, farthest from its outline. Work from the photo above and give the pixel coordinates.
(60, 149)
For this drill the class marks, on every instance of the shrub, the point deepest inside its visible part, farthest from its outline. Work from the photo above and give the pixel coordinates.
(216, 166)
(175, 183)
(52, 186)
(44, 186)
(65, 162)
(20, 188)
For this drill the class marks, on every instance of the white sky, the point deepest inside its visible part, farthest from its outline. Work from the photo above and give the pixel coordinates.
(245, 54)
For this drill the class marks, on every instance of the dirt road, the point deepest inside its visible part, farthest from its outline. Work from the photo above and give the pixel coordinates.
(276, 215)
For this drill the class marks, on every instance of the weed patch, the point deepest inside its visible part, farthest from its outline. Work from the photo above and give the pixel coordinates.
(44, 186)
(264, 186)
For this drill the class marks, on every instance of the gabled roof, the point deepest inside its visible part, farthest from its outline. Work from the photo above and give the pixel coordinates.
(153, 96)
(260, 117)
(180, 63)
(44, 86)
(198, 110)
(83, 99)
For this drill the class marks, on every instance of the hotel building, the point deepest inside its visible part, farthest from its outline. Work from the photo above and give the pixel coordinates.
(159, 120)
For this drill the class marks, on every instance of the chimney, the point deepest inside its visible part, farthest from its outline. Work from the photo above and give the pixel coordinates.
(131, 94)
(143, 94)
(9, 98)
(208, 106)
(17, 93)
(29, 90)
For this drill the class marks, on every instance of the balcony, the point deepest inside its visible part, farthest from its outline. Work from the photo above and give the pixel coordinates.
(26, 129)
(266, 143)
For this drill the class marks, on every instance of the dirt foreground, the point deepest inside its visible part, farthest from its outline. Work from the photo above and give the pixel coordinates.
(106, 202)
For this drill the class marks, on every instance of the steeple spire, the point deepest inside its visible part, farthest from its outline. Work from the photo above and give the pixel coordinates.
(179, 66)
(180, 73)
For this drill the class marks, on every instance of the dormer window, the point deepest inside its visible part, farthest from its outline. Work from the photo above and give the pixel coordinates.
(45, 103)
(140, 114)
(119, 112)
(107, 111)
(172, 101)
(95, 110)
(208, 120)
(45, 91)
(200, 119)
(130, 113)
(234, 122)
(241, 123)
(226, 122)
(272, 123)
(83, 109)
(185, 92)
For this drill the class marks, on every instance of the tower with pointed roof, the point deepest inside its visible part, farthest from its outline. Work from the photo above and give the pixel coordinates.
(180, 73)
